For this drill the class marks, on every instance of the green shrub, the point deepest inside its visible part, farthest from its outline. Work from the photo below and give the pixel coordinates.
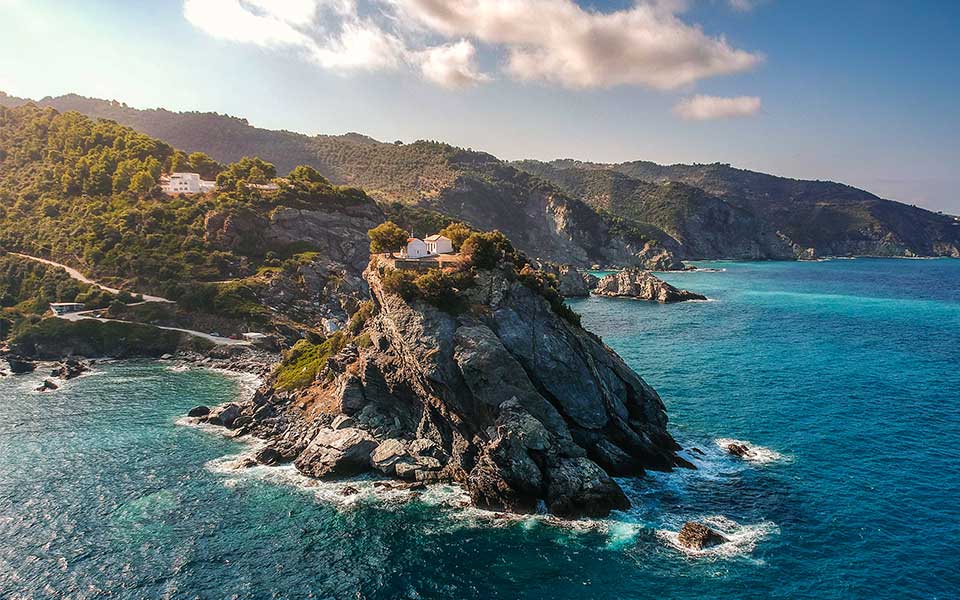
(458, 234)
(306, 360)
(486, 250)
(359, 319)
(386, 237)
(400, 283)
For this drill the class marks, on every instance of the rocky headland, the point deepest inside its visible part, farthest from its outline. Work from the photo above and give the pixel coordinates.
(492, 385)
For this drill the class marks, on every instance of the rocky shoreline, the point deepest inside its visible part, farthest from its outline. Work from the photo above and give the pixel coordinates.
(236, 359)
(504, 396)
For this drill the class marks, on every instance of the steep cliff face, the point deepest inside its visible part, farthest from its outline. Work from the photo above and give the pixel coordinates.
(337, 232)
(506, 397)
(541, 220)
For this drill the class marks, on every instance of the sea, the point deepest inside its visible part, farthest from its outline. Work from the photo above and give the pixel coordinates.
(841, 376)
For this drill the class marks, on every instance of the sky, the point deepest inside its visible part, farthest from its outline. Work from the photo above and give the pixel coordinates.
(859, 91)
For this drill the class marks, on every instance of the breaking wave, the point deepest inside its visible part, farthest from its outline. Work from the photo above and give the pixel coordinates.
(755, 454)
(741, 539)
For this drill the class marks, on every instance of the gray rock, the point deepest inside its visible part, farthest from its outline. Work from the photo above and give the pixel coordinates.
(337, 453)
(578, 487)
(342, 422)
(19, 366)
(47, 385)
(224, 415)
(269, 455)
(199, 411)
(507, 398)
(642, 285)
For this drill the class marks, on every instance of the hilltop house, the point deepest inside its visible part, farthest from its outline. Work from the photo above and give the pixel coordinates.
(431, 245)
(64, 308)
(438, 244)
(415, 248)
(186, 183)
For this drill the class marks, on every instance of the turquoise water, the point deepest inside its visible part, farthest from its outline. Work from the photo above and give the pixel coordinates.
(843, 375)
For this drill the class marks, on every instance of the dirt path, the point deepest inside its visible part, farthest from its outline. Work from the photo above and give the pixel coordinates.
(84, 279)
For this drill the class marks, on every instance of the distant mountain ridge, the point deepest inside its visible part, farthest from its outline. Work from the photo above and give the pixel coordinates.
(573, 211)
(816, 218)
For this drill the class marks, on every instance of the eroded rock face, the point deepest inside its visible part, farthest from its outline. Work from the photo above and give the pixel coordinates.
(698, 536)
(337, 230)
(506, 398)
(642, 285)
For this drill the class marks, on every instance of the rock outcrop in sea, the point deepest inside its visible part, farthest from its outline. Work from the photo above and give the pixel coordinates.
(642, 285)
(503, 393)
(698, 536)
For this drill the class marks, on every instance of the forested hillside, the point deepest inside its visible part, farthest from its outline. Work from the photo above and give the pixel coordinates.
(465, 185)
(572, 211)
(85, 193)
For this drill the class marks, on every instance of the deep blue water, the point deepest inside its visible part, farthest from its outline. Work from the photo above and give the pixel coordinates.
(843, 374)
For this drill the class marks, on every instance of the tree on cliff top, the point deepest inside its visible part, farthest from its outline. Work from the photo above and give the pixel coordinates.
(458, 234)
(386, 237)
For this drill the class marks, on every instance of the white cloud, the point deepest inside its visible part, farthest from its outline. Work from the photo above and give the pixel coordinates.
(270, 25)
(452, 65)
(557, 41)
(704, 108)
(552, 41)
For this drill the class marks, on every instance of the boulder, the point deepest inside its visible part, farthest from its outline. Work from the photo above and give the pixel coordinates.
(342, 422)
(642, 285)
(738, 450)
(337, 453)
(698, 536)
(573, 284)
(199, 411)
(19, 366)
(269, 455)
(224, 415)
(47, 385)
(579, 487)
(70, 369)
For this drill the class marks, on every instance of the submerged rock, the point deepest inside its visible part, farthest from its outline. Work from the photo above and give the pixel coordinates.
(698, 536)
(642, 285)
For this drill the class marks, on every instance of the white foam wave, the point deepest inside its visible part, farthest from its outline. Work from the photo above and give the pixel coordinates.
(755, 454)
(741, 539)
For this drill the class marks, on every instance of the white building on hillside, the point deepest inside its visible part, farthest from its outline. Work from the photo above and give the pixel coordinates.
(186, 183)
(64, 308)
(415, 248)
(438, 244)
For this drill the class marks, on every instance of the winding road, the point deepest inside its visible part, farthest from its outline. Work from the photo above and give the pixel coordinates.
(89, 314)
(75, 274)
